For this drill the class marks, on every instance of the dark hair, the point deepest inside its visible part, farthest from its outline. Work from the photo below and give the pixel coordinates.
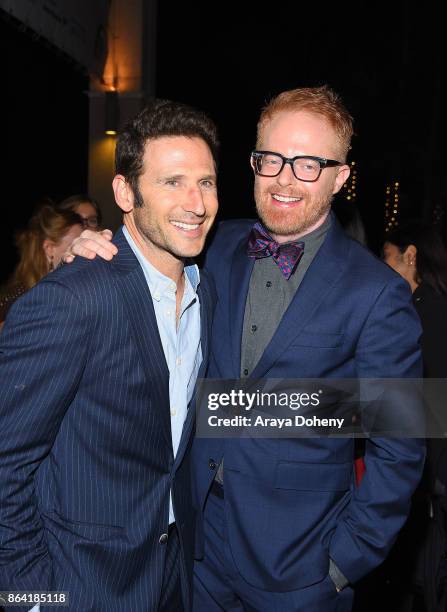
(73, 201)
(159, 118)
(431, 256)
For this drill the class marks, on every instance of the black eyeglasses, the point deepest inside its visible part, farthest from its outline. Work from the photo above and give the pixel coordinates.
(304, 168)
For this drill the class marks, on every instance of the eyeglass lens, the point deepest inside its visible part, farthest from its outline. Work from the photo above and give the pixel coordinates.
(304, 168)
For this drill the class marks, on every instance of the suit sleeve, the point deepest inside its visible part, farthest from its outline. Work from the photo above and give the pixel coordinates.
(387, 348)
(43, 348)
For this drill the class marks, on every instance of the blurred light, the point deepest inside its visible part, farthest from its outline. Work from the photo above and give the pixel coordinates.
(111, 112)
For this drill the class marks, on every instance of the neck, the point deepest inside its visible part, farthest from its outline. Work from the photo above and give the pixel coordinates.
(281, 238)
(413, 284)
(163, 261)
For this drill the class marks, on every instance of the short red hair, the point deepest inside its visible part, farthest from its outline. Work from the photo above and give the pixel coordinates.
(319, 100)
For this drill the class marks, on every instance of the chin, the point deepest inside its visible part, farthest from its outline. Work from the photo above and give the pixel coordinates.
(187, 252)
(283, 225)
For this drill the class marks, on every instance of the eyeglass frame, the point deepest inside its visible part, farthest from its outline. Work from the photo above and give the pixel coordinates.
(323, 161)
(87, 222)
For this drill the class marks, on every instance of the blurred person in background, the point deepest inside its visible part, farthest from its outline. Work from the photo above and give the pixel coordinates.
(418, 254)
(84, 206)
(41, 246)
(417, 568)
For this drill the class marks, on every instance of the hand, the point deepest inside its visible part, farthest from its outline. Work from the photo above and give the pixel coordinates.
(89, 244)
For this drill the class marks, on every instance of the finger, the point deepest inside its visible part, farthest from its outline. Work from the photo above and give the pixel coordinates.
(108, 234)
(67, 257)
(91, 248)
(88, 233)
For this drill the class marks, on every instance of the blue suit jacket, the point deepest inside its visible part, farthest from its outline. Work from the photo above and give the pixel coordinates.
(86, 460)
(291, 503)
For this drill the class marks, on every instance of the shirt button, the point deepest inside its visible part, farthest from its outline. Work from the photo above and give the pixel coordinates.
(179, 361)
(268, 284)
(245, 372)
(173, 412)
(254, 328)
(163, 538)
(212, 464)
(168, 313)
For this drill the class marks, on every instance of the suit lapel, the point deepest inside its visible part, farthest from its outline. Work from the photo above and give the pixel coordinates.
(131, 283)
(322, 275)
(241, 270)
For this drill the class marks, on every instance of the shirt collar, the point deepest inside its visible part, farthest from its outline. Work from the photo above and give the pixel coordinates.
(158, 283)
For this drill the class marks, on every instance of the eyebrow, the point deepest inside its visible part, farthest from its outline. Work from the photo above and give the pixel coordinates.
(177, 177)
(170, 177)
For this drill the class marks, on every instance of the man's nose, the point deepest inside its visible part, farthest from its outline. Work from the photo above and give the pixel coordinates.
(286, 176)
(194, 202)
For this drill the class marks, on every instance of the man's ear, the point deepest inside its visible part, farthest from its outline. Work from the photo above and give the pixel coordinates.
(343, 173)
(410, 255)
(123, 193)
(252, 164)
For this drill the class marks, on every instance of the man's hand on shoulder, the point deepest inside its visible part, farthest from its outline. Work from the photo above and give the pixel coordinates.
(89, 244)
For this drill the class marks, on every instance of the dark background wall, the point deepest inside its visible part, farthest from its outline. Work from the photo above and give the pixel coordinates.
(44, 131)
(385, 59)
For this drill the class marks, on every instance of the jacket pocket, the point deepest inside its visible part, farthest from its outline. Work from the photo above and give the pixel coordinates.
(313, 476)
(87, 530)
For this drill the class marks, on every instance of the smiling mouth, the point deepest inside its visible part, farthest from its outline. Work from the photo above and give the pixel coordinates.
(285, 199)
(186, 226)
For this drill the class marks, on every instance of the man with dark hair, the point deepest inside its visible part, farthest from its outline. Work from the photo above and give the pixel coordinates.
(98, 366)
(284, 526)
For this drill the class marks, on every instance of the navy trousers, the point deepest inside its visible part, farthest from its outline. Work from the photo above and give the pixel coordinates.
(218, 586)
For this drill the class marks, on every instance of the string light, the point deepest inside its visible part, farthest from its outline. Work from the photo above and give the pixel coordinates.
(392, 206)
(350, 187)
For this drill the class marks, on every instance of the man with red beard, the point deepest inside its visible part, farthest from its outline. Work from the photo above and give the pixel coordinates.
(284, 527)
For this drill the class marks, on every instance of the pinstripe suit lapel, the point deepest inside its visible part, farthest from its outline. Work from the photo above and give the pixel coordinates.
(132, 285)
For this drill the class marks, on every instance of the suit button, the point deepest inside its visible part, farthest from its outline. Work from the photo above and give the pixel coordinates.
(212, 464)
(163, 538)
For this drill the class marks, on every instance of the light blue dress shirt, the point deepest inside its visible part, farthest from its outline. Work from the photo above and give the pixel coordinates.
(181, 342)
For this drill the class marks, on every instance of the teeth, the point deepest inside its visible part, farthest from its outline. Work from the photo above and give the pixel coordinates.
(285, 199)
(186, 226)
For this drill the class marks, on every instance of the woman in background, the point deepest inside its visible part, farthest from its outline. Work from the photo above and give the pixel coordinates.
(419, 560)
(418, 254)
(84, 206)
(41, 246)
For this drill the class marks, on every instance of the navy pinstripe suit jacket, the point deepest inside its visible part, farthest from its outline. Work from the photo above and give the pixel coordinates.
(86, 461)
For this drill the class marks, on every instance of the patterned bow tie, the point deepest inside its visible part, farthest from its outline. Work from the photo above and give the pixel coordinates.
(287, 256)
